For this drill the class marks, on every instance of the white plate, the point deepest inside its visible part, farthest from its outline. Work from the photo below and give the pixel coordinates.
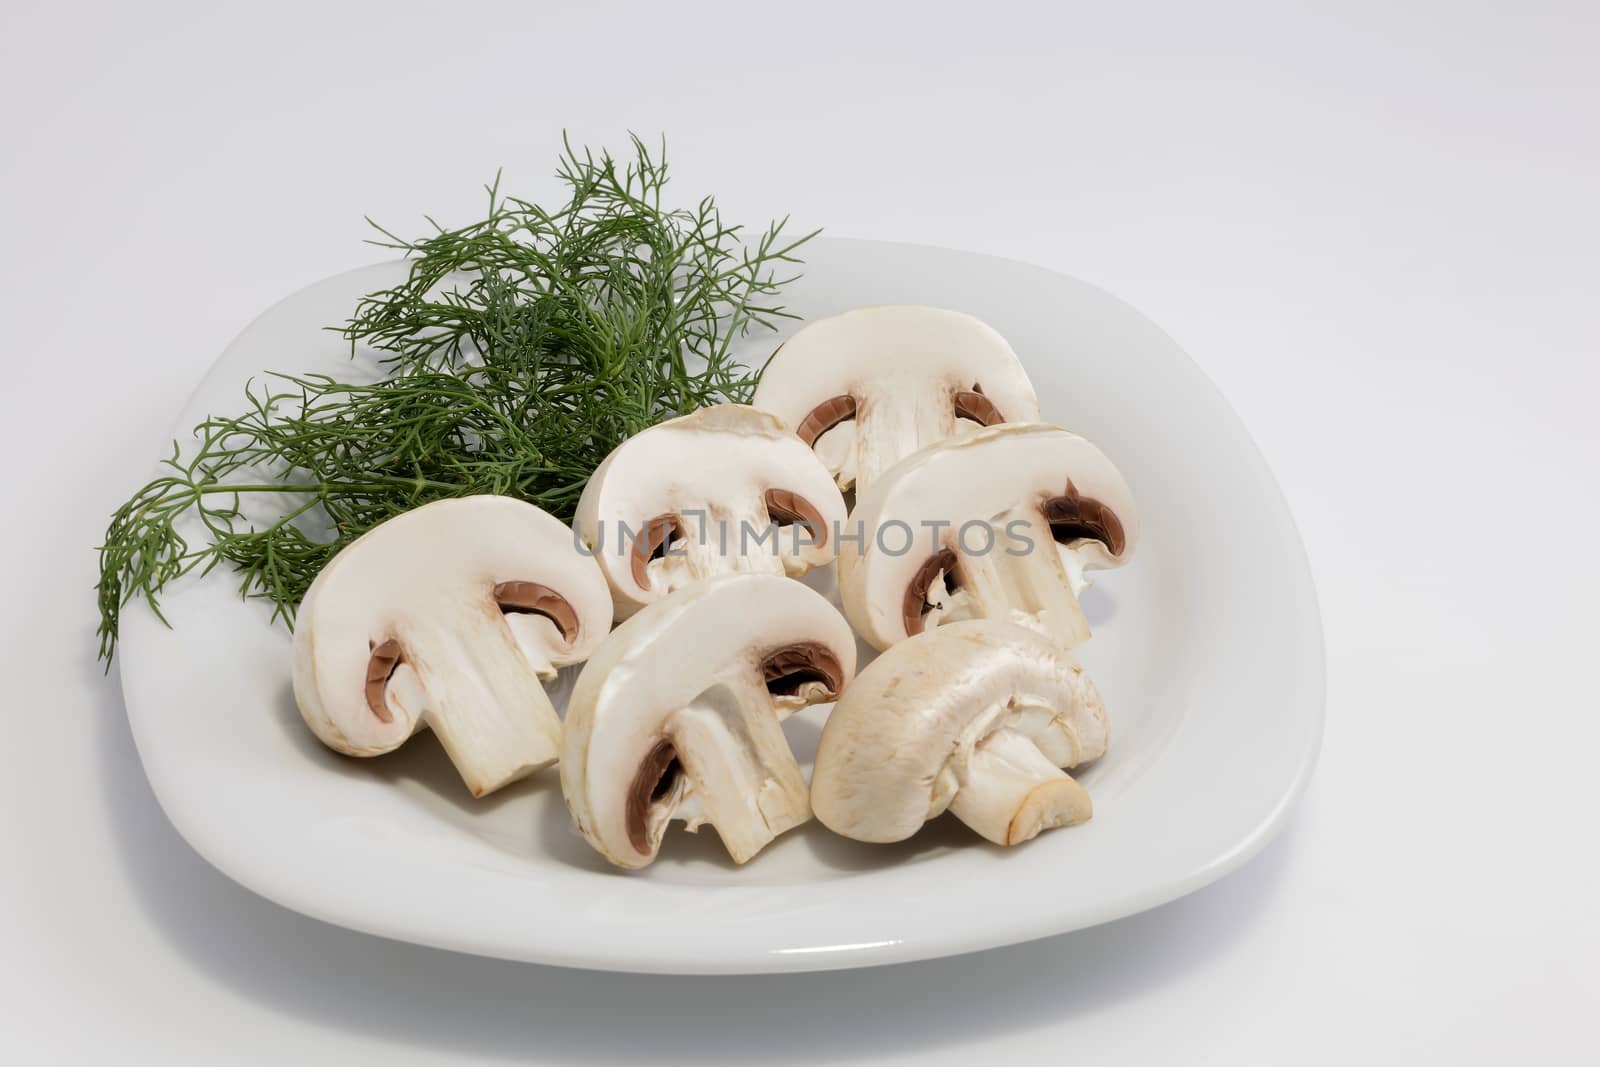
(1207, 648)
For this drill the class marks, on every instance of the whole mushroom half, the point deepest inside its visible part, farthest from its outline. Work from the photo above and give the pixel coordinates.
(724, 490)
(976, 718)
(677, 716)
(871, 386)
(450, 617)
(997, 524)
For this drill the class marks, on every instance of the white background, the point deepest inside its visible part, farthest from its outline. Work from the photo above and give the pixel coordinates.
(1374, 225)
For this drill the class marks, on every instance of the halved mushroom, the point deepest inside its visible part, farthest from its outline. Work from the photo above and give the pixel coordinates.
(998, 524)
(449, 617)
(676, 716)
(977, 718)
(871, 386)
(724, 490)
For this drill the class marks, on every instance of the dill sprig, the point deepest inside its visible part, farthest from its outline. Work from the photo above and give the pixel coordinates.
(521, 349)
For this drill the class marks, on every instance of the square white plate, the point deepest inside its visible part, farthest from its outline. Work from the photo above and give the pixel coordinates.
(1207, 648)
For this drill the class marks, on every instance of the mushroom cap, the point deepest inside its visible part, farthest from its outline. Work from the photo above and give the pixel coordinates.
(868, 364)
(701, 474)
(724, 643)
(1059, 480)
(503, 570)
(894, 751)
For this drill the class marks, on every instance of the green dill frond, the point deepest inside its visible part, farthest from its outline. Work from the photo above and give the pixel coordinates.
(522, 349)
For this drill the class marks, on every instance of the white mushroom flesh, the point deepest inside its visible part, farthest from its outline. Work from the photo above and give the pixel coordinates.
(676, 717)
(449, 617)
(725, 490)
(996, 524)
(871, 386)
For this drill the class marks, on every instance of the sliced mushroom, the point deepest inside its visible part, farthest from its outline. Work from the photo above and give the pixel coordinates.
(997, 524)
(449, 617)
(871, 386)
(725, 490)
(676, 716)
(977, 718)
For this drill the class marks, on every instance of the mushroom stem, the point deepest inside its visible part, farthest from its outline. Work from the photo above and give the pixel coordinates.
(1023, 579)
(722, 541)
(748, 782)
(902, 422)
(1010, 791)
(484, 700)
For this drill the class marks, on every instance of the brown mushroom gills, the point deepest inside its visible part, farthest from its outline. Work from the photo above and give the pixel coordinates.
(532, 598)
(915, 605)
(657, 536)
(380, 667)
(824, 417)
(784, 507)
(972, 404)
(788, 668)
(658, 773)
(1078, 518)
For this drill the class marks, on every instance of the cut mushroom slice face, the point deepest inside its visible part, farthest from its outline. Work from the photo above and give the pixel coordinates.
(977, 718)
(871, 386)
(725, 490)
(676, 716)
(997, 524)
(450, 617)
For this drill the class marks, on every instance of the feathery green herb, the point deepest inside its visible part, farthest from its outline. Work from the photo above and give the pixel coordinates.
(521, 350)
